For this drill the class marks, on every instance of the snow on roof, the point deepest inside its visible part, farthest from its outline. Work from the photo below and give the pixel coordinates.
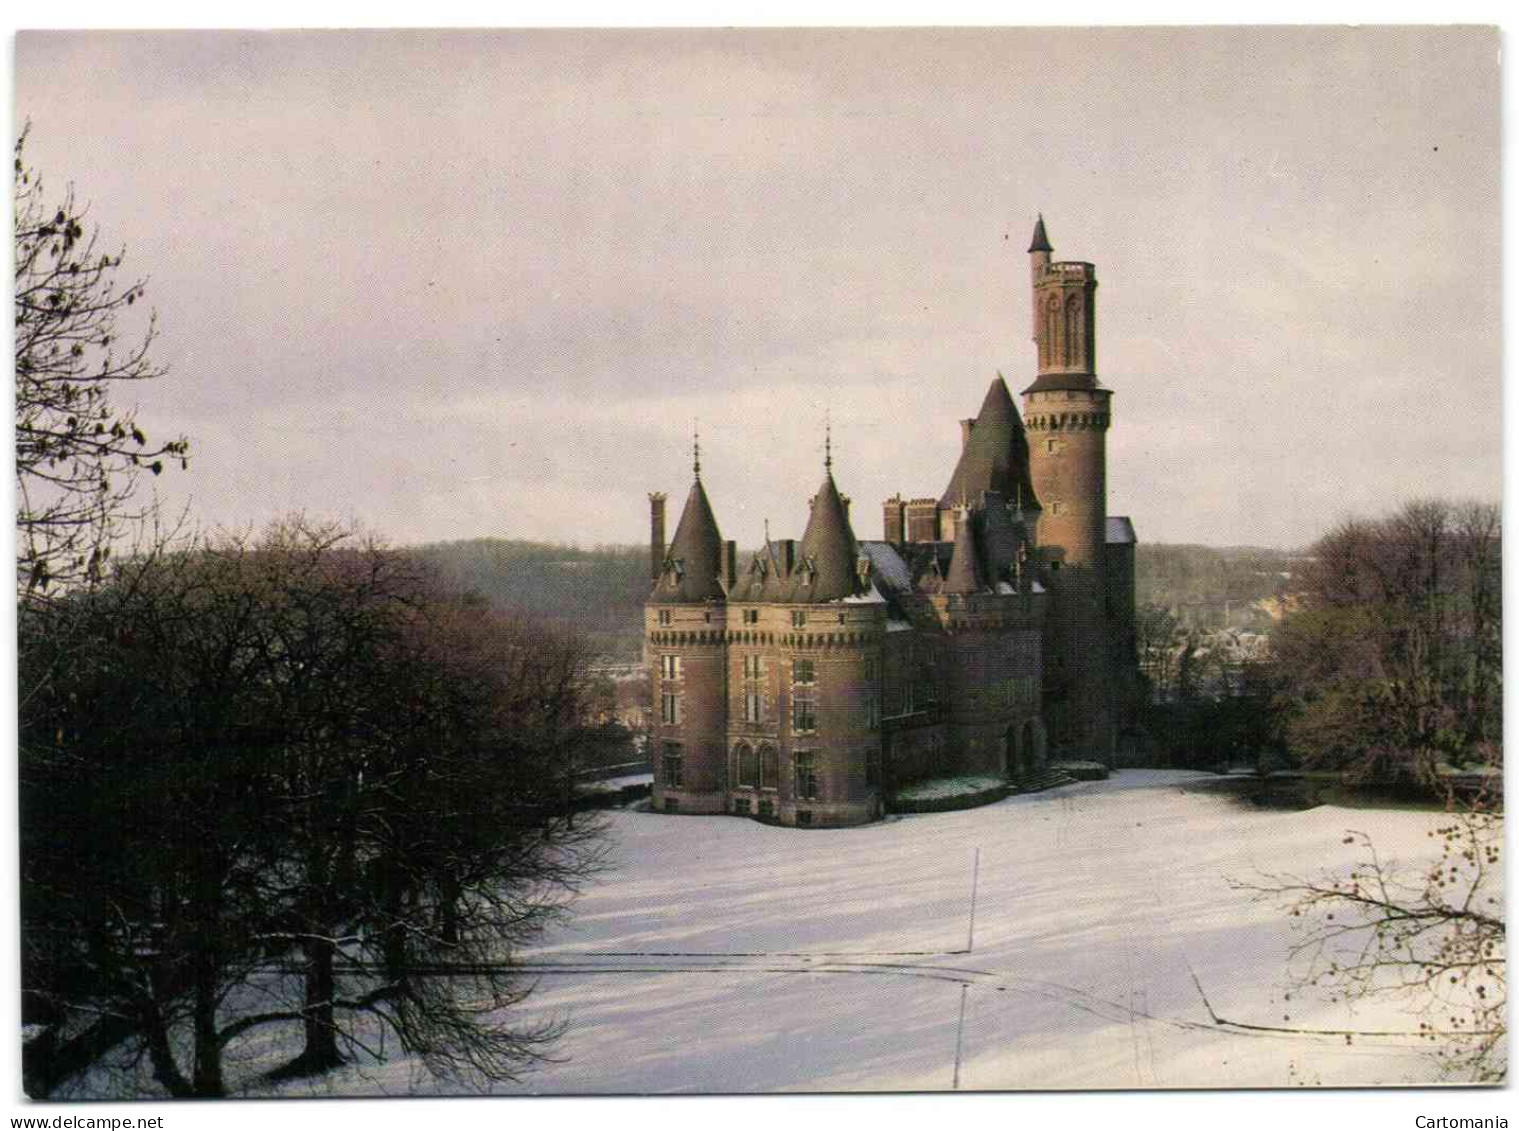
(1120, 530)
(872, 598)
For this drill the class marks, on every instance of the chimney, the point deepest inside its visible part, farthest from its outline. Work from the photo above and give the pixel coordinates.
(656, 534)
(965, 427)
(787, 547)
(893, 525)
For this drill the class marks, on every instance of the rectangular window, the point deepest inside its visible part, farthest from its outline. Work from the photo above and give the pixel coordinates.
(751, 616)
(669, 667)
(803, 671)
(741, 806)
(798, 618)
(669, 709)
(754, 706)
(673, 765)
(806, 776)
(664, 616)
(754, 667)
(804, 706)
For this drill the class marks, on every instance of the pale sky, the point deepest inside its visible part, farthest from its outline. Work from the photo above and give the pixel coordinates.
(465, 284)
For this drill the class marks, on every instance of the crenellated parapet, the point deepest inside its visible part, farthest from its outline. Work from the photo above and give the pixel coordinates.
(1069, 422)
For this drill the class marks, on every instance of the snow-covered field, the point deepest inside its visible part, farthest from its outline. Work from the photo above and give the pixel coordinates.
(728, 956)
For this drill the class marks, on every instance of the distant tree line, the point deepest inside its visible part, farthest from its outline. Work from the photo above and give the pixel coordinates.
(1385, 662)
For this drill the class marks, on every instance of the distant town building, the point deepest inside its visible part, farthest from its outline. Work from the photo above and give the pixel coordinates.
(991, 627)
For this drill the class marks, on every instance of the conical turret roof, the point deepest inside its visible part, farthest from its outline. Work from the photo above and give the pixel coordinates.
(965, 574)
(1040, 242)
(826, 569)
(995, 458)
(694, 559)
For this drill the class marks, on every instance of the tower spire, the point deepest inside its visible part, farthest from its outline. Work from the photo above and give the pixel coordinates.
(1040, 242)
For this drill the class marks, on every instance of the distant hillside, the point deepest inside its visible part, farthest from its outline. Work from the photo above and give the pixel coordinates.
(598, 591)
(601, 591)
(1210, 586)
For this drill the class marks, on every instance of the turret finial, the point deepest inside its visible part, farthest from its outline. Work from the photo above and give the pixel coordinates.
(828, 441)
(696, 448)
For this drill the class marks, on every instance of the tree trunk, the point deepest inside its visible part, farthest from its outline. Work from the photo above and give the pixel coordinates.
(208, 1046)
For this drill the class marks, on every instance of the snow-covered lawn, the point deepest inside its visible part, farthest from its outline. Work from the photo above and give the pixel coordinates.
(729, 956)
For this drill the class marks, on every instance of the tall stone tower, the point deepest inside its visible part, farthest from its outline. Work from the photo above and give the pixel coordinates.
(1066, 412)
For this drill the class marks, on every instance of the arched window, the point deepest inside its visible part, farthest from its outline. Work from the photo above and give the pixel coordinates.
(748, 765)
(1050, 346)
(1073, 330)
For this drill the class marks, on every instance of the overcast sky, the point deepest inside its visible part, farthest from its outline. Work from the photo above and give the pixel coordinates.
(472, 284)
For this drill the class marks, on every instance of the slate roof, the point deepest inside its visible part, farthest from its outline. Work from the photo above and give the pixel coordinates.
(694, 558)
(1040, 242)
(827, 559)
(995, 458)
(965, 575)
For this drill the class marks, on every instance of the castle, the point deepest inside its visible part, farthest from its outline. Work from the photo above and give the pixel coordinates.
(990, 628)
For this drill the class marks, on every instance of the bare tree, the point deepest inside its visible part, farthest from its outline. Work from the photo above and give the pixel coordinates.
(78, 452)
(1431, 938)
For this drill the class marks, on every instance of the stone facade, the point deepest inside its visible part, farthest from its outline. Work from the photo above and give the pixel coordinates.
(991, 626)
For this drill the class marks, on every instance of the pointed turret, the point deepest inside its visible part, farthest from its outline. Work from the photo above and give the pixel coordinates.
(1040, 242)
(965, 576)
(994, 458)
(825, 570)
(694, 562)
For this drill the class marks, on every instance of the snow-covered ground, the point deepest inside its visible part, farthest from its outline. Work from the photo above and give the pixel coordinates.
(728, 956)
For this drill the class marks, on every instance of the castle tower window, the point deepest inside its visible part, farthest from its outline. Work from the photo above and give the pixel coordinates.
(754, 689)
(770, 768)
(669, 709)
(664, 616)
(804, 716)
(751, 616)
(798, 618)
(672, 767)
(1073, 330)
(669, 667)
(806, 775)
